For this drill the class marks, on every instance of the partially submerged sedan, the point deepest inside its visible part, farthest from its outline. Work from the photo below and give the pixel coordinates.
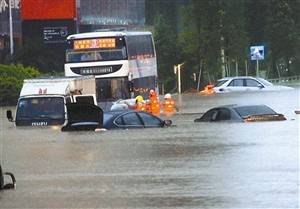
(241, 113)
(83, 117)
(246, 83)
(127, 119)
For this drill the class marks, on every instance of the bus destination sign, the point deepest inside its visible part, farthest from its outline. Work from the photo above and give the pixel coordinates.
(95, 43)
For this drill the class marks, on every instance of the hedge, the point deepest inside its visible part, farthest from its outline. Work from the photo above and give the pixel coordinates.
(11, 79)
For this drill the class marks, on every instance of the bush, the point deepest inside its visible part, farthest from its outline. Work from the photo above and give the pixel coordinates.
(11, 79)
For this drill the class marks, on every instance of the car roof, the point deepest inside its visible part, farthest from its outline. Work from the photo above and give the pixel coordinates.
(240, 105)
(118, 112)
(237, 77)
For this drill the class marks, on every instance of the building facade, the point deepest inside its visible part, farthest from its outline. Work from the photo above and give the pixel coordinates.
(97, 14)
(91, 14)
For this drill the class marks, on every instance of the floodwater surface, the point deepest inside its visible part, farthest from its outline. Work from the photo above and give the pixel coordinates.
(189, 165)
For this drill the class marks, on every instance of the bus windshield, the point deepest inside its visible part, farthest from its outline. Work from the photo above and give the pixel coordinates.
(47, 109)
(91, 50)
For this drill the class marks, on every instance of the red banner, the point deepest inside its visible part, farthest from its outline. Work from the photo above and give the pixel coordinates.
(48, 9)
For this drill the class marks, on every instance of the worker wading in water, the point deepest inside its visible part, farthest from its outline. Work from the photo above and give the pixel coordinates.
(140, 104)
(168, 105)
(153, 105)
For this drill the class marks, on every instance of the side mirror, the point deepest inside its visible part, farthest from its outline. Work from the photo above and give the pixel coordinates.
(9, 185)
(9, 116)
(167, 122)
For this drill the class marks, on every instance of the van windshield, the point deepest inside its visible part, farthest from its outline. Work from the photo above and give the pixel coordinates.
(40, 111)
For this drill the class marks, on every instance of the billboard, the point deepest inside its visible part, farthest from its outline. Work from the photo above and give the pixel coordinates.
(257, 52)
(48, 9)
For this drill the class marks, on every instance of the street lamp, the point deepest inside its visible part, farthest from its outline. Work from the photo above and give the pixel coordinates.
(11, 30)
(178, 69)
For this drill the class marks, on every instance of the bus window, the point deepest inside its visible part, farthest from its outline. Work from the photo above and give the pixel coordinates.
(140, 46)
(112, 89)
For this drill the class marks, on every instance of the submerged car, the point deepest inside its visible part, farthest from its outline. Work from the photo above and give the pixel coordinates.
(241, 113)
(246, 83)
(127, 119)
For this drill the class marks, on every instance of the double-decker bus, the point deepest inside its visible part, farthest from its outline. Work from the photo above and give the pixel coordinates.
(123, 63)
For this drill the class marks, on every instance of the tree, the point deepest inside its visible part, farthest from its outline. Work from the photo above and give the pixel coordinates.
(166, 50)
(283, 33)
(11, 79)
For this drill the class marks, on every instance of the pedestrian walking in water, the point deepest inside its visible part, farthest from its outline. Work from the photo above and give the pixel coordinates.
(168, 105)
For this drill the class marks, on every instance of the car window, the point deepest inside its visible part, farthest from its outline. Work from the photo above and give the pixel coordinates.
(220, 83)
(119, 121)
(265, 82)
(209, 115)
(236, 82)
(149, 120)
(131, 119)
(252, 83)
(223, 114)
(254, 110)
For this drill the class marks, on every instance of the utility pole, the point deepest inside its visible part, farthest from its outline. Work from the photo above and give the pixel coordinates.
(223, 57)
(257, 68)
(11, 36)
(178, 69)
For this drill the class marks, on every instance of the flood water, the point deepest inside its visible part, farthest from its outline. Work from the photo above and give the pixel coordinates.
(190, 165)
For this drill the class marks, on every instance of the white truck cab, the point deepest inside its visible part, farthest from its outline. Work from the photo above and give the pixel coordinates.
(42, 102)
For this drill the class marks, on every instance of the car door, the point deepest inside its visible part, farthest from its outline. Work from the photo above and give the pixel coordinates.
(253, 85)
(236, 85)
(150, 121)
(129, 120)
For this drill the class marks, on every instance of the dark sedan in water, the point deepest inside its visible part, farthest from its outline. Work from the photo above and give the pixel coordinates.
(126, 119)
(242, 113)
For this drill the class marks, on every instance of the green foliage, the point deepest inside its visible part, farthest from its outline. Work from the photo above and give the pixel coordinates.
(209, 26)
(11, 79)
(166, 48)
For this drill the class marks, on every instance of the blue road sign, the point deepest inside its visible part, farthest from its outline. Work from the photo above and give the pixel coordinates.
(257, 52)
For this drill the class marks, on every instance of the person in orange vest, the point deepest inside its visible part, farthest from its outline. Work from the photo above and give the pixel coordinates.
(153, 104)
(168, 105)
(140, 103)
(208, 89)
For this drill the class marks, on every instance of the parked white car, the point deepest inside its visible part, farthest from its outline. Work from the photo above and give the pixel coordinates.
(246, 83)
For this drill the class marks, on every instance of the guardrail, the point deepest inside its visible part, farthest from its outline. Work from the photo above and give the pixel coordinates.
(291, 79)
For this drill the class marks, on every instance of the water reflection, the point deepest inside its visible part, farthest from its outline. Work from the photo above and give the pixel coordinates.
(191, 165)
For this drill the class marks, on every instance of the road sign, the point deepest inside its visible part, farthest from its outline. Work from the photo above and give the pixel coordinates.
(55, 34)
(257, 52)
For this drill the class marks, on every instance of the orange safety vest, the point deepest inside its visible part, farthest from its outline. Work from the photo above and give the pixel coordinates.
(153, 106)
(208, 89)
(140, 106)
(168, 106)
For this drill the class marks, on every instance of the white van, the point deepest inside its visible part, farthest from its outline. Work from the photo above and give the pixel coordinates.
(42, 102)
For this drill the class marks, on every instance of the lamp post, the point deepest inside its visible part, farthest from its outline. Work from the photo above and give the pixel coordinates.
(11, 30)
(178, 69)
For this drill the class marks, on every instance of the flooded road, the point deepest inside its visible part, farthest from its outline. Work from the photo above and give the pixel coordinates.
(191, 165)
